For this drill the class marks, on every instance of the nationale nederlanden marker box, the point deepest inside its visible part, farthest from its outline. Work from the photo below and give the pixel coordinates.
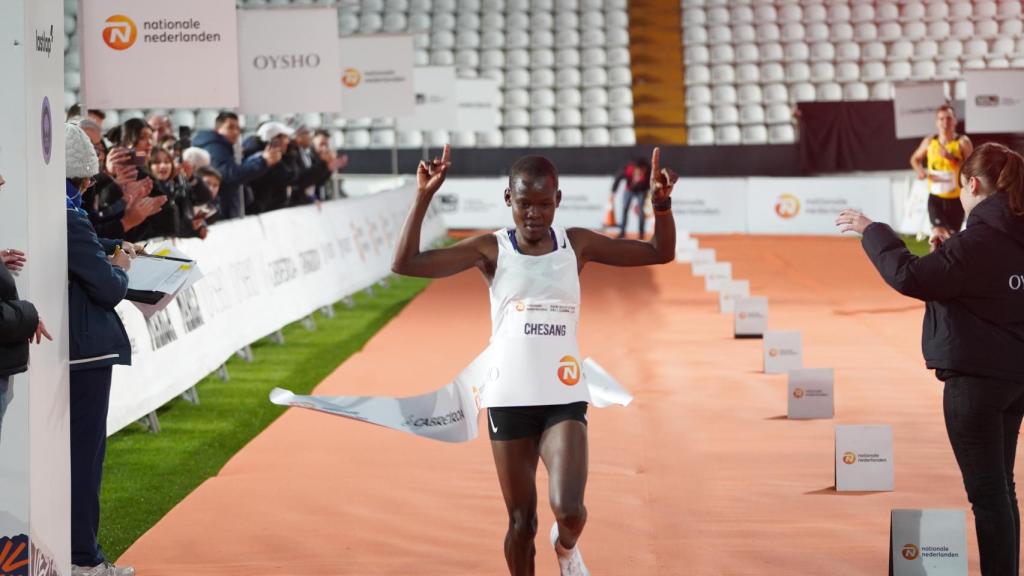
(750, 318)
(863, 459)
(810, 393)
(928, 542)
(783, 351)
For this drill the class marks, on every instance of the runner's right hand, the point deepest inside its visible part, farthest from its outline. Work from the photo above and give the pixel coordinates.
(429, 177)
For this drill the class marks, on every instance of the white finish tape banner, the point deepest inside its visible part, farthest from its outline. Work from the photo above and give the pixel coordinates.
(288, 60)
(811, 205)
(377, 76)
(128, 46)
(995, 101)
(448, 414)
(259, 275)
(914, 105)
(436, 107)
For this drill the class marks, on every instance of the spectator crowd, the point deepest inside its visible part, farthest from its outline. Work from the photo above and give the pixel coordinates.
(157, 181)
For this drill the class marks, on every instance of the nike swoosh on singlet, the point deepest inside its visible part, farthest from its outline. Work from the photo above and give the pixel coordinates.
(489, 419)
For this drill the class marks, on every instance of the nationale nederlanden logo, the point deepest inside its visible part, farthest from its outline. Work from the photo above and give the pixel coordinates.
(849, 458)
(351, 77)
(120, 32)
(798, 393)
(773, 352)
(569, 371)
(787, 206)
(910, 552)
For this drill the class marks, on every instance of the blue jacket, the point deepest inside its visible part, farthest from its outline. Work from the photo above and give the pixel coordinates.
(233, 174)
(95, 287)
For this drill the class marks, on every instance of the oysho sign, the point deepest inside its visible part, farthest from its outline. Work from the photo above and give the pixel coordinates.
(1017, 282)
(301, 54)
(127, 40)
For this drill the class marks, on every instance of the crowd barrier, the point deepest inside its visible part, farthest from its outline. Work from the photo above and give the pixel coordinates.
(260, 274)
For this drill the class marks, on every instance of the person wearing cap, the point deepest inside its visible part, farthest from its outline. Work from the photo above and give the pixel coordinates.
(97, 282)
(270, 190)
(220, 143)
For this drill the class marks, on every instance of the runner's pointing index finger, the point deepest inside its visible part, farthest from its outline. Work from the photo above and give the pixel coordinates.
(656, 161)
(446, 156)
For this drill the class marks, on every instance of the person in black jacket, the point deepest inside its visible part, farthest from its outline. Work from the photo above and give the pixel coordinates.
(97, 282)
(973, 286)
(19, 324)
(270, 190)
(220, 143)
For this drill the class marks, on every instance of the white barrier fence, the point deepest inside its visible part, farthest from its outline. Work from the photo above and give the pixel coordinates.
(701, 205)
(261, 273)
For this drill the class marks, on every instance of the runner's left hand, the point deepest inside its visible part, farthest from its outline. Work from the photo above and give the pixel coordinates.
(662, 179)
(852, 221)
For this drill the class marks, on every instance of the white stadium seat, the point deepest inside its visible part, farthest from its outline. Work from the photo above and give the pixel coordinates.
(542, 77)
(1013, 27)
(755, 134)
(841, 32)
(847, 72)
(772, 52)
(701, 136)
(728, 135)
(596, 137)
(985, 11)
(722, 54)
(750, 94)
(797, 51)
(595, 97)
(568, 57)
(817, 32)
(962, 29)
(882, 91)
(517, 138)
(781, 134)
(901, 50)
(802, 92)
(543, 137)
(986, 29)
(923, 70)
(491, 139)
(747, 53)
(622, 116)
(829, 91)
(542, 98)
(698, 95)
(543, 57)
(948, 69)
(951, 48)
(899, 70)
(595, 117)
(569, 77)
(569, 137)
(726, 114)
(778, 114)
(571, 97)
(724, 94)
(865, 32)
(568, 117)
(823, 51)
(410, 139)
(752, 114)
(623, 137)
(915, 30)
(1009, 10)
(699, 116)
(776, 93)
(798, 72)
(768, 32)
(889, 31)
(517, 98)
(357, 138)
(861, 12)
(926, 50)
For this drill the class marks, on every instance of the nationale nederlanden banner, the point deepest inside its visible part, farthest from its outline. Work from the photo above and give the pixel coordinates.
(377, 76)
(159, 54)
(288, 60)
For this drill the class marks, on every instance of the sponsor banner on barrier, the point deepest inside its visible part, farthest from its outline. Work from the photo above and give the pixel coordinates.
(732, 291)
(811, 205)
(810, 393)
(436, 107)
(703, 260)
(783, 351)
(711, 205)
(192, 43)
(864, 458)
(932, 542)
(751, 317)
(995, 101)
(479, 104)
(914, 105)
(914, 217)
(377, 76)
(259, 275)
(295, 67)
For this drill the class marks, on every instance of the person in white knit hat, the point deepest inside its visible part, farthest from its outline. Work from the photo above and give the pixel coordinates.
(97, 282)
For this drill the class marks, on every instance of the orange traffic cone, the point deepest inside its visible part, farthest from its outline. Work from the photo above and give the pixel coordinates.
(609, 215)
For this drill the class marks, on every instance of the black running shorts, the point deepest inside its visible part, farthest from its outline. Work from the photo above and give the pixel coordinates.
(516, 422)
(946, 212)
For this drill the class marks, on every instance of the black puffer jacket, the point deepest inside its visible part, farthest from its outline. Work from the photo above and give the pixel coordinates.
(974, 289)
(18, 321)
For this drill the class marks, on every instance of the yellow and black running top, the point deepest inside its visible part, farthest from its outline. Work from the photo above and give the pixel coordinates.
(942, 172)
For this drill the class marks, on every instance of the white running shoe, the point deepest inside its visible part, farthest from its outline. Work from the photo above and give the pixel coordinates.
(571, 564)
(105, 569)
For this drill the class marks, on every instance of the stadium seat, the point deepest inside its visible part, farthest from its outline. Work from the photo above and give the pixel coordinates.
(621, 116)
(841, 32)
(962, 29)
(722, 54)
(1009, 10)
(410, 139)
(726, 114)
(517, 98)
(923, 70)
(951, 48)
(847, 72)
(568, 117)
(596, 117)
(752, 114)
(865, 32)
(596, 137)
(618, 56)
(772, 52)
(517, 117)
(848, 52)
(898, 70)
(570, 57)
(571, 97)
(747, 73)
(817, 32)
(337, 139)
(728, 135)
(569, 77)
(595, 97)
(775, 93)
(542, 98)
(778, 114)
(543, 58)
(797, 51)
(623, 137)
(442, 58)
(823, 51)
(889, 31)
(860, 12)
(698, 95)
(755, 134)
(986, 29)
(882, 91)
(985, 11)
(1013, 27)
(802, 92)
(620, 76)
(357, 138)
(781, 134)
(595, 76)
(569, 137)
(767, 31)
(797, 72)
(463, 139)
(750, 94)
(724, 94)
(829, 91)
(516, 138)
(543, 137)
(542, 78)
(491, 139)
(699, 116)
(701, 136)
(792, 31)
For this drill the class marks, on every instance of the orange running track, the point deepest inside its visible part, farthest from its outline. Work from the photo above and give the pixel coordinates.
(702, 475)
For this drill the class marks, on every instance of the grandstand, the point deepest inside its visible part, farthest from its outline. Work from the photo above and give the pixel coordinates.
(570, 71)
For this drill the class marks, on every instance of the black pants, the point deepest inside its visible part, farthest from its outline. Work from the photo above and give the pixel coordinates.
(90, 397)
(983, 418)
(627, 201)
(946, 212)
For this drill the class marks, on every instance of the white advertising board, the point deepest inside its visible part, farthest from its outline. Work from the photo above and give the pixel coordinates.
(377, 76)
(811, 205)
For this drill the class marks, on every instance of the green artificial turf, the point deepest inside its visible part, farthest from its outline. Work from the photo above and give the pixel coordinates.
(148, 474)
